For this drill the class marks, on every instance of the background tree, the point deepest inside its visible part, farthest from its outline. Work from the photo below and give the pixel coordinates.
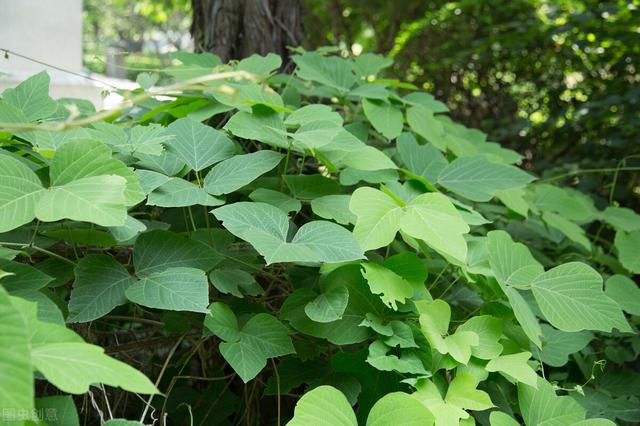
(234, 29)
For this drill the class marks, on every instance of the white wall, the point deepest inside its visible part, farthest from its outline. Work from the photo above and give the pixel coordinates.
(49, 31)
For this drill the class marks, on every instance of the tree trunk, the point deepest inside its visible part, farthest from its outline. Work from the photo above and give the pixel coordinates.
(235, 29)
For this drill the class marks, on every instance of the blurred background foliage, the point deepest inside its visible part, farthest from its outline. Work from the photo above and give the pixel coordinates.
(556, 80)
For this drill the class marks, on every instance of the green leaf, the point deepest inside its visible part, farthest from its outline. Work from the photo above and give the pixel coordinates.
(262, 337)
(22, 277)
(515, 366)
(323, 406)
(542, 406)
(385, 118)
(308, 187)
(514, 199)
(235, 281)
(80, 159)
(625, 292)
(240, 170)
(423, 160)
(315, 135)
(399, 408)
(434, 323)
(430, 217)
(16, 376)
(346, 150)
(512, 263)
(622, 218)
(462, 393)
(314, 112)
(276, 199)
(629, 250)
(571, 298)
(99, 286)
(478, 179)
(59, 410)
(198, 145)
(331, 71)
(489, 331)
(498, 418)
(259, 65)
(445, 412)
(177, 192)
(267, 227)
(158, 250)
(369, 64)
(558, 345)
(567, 202)
(334, 207)
(20, 190)
(329, 305)
(266, 127)
(95, 199)
(175, 289)
(222, 322)
(73, 367)
(32, 97)
(390, 286)
(525, 316)
(572, 231)
(409, 361)
(422, 122)
(426, 100)
(346, 330)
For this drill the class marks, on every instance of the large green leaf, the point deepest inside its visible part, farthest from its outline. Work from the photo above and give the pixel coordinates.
(177, 192)
(80, 159)
(625, 292)
(95, 199)
(422, 160)
(511, 262)
(399, 408)
(571, 298)
(391, 287)
(248, 349)
(20, 190)
(240, 170)
(267, 228)
(266, 127)
(99, 286)
(629, 250)
(72, 367)
(542, 406)
(622, 218)
(16, 376)
(385, 118)
(430, 217)
(323, 406)
(515, 366)
(158, 250)
(422, 122)
(558, 345)
(331, 71)
(174, 289)
(198, 145)
(32, 97)
(329, 305)
(478, 179)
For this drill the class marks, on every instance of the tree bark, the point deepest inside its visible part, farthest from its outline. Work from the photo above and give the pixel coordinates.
(235, 29)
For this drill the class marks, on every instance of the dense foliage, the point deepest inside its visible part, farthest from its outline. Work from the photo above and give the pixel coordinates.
(555, 80)
(322, 248)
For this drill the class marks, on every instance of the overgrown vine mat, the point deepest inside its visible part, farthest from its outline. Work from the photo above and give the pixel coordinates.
(324, 247)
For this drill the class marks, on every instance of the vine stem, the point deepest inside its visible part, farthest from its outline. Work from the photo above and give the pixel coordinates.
(164, 368)
(40, 249)
(585, 171)
(192, 84)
